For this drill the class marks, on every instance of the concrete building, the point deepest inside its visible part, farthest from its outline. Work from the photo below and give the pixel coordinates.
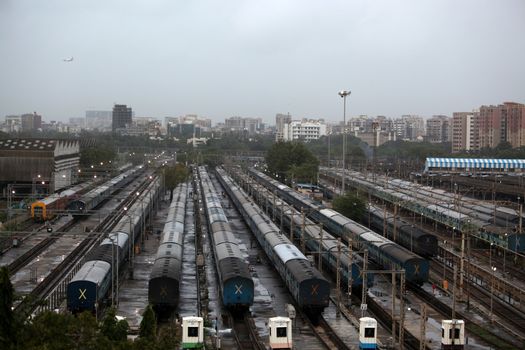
(465, 132)
(27, 161)
(514, 113)
(78, 122)
(375, 138)
(280, 121)
(13, 123)
(438, 129)
(143, 126)
(122, 116)
(250, 126)
(489, 127)
(304, 130)
(100, 120)
(31, 122)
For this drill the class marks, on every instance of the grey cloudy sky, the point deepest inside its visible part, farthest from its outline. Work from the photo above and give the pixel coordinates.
(258, 58)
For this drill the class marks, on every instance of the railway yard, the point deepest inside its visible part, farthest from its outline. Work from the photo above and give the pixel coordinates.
(231, 250)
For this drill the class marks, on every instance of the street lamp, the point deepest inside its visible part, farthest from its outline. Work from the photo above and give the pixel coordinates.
(444, 260)
(132, 243)
(493, 270)
(113, 272)
(343, 94)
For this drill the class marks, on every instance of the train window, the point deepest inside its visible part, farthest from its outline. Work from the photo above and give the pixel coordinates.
(456, 333)
(370, 332)
(281, 332)
(193, 331)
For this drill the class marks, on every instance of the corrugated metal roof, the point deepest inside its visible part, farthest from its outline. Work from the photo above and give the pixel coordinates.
(28, 144)
(475, 163)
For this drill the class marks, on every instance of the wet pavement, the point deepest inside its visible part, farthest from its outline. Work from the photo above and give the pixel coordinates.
(188, 300)
(133, 293)
(27, 278)
(271, 294)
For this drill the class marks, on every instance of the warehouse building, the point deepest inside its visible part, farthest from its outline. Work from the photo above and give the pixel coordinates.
(39, 162)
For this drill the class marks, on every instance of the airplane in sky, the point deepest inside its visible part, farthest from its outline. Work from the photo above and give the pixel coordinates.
(69, 59)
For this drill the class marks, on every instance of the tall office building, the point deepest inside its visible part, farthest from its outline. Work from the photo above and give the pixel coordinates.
(280, 121)
(438, 129)
(98, 119)
(121, 117)
(31, 122)
(465, 131)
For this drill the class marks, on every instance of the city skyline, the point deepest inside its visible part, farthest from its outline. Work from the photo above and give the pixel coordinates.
(258, 60)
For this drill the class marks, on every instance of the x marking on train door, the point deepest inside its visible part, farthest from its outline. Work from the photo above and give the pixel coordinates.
(314, 289)
(82, 294)
(416, 269)
(238, 289)
(163, 291)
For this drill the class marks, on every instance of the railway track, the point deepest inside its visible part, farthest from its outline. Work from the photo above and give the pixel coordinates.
(31, 254)
(473, 325)
(245, 332)
(53, 287)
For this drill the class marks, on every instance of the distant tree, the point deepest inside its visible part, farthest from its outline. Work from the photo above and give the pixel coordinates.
(85, 333)
(49, 330)
(116, 331)
(91, 156)
(8, 327)
(148, 325)
(293, 160)
(168, 338)
(175, 175)
(350, 205)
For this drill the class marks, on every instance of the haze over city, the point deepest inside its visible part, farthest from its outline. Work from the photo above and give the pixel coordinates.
(256, 59)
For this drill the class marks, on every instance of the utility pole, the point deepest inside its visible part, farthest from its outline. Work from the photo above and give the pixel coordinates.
(273, 210)
(338, 276)
(349, 272)
(291, 223)
(402, 307)
(454, 293)
(364, 288)
(395, 226)
(394, 308)
(302, 230)
(462, 264)
(320, 262)
(423, 327)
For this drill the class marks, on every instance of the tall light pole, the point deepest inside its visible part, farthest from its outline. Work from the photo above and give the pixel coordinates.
(343, 94)
(493, 269)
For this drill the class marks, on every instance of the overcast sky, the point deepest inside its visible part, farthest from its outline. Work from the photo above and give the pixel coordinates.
(255, 58)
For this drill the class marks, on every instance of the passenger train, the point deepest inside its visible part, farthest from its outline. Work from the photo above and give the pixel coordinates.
(165, 277)
(388, 254)
(90, 286)
(90, 200)
(307, 285)
(235, 282)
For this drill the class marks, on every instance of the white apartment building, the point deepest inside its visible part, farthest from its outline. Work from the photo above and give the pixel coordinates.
(304, 130)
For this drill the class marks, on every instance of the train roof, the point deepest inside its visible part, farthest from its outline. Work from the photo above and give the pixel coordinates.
(172, 237)
(118, 238)
(92, 271)
(287, 252)
(167, 267)
(227, 250)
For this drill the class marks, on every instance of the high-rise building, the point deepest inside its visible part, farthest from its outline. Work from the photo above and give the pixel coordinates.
(514, 114)
(31, 122)
(304, 130)
(98, 119)
(438, 129)
(122, 116)
(465, 132)
(247, 125)
(280, 121)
